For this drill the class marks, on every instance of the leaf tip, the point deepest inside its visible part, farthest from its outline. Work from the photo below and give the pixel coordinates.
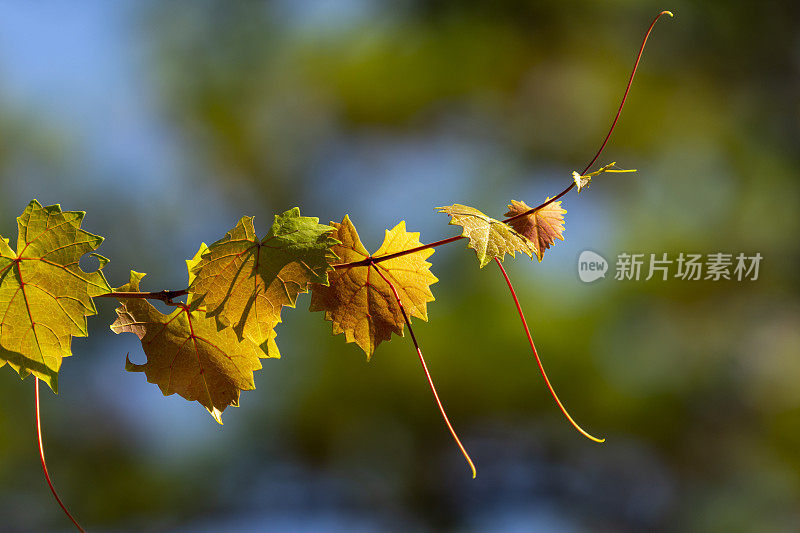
(52, 381)
(34, 204)
(102, 260)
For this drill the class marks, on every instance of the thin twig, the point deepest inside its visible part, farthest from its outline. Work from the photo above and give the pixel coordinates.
(44, 463)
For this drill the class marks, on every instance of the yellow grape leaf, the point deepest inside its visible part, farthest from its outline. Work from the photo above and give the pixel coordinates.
(541, 227)
(359, 302)
(244, 281)
(186, 352)
(489, 237)
(45, 296)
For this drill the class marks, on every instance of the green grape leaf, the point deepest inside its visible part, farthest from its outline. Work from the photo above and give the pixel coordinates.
(541, 227)
(489, 237)
(45, 296)
(186, 352)
(244, 281)
(359, 302)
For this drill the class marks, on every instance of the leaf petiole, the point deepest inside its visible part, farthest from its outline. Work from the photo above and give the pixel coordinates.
(427, 374)
(539, 361)
(165, 295)
(41, 456)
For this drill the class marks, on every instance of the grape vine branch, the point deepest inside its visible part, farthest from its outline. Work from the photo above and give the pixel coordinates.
(208, 348)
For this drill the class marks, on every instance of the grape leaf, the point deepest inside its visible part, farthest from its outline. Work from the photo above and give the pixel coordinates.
(244, 281)
(489, 237)
(45, 296)
(541, 227)
(186, 352)
(359, 302)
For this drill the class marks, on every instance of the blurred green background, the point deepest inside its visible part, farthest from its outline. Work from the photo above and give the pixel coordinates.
(166, 122)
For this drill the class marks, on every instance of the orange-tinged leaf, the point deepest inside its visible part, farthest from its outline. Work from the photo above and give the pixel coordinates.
(541, 227)
(45, 296)
(244, 281)
(489, 237)
(359, 302)
(187, 353)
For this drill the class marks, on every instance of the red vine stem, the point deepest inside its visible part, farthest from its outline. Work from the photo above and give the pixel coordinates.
(167, 296)
(556, 197)
(610, 130)
(539, 361)
(427, 374)
(44, 463)
(372, 260)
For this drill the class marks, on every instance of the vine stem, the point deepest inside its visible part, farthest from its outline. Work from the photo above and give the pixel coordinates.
(44, 463)
(610, 130)
(550, 200)
(538, 360)
(373, 260)
(166, 296)
(425, 368)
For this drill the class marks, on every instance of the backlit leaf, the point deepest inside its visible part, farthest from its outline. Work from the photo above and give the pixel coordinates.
(359, 302)
(45, 296)
(244, 281)
(541, 227)
(489, 237)
(186, 352)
